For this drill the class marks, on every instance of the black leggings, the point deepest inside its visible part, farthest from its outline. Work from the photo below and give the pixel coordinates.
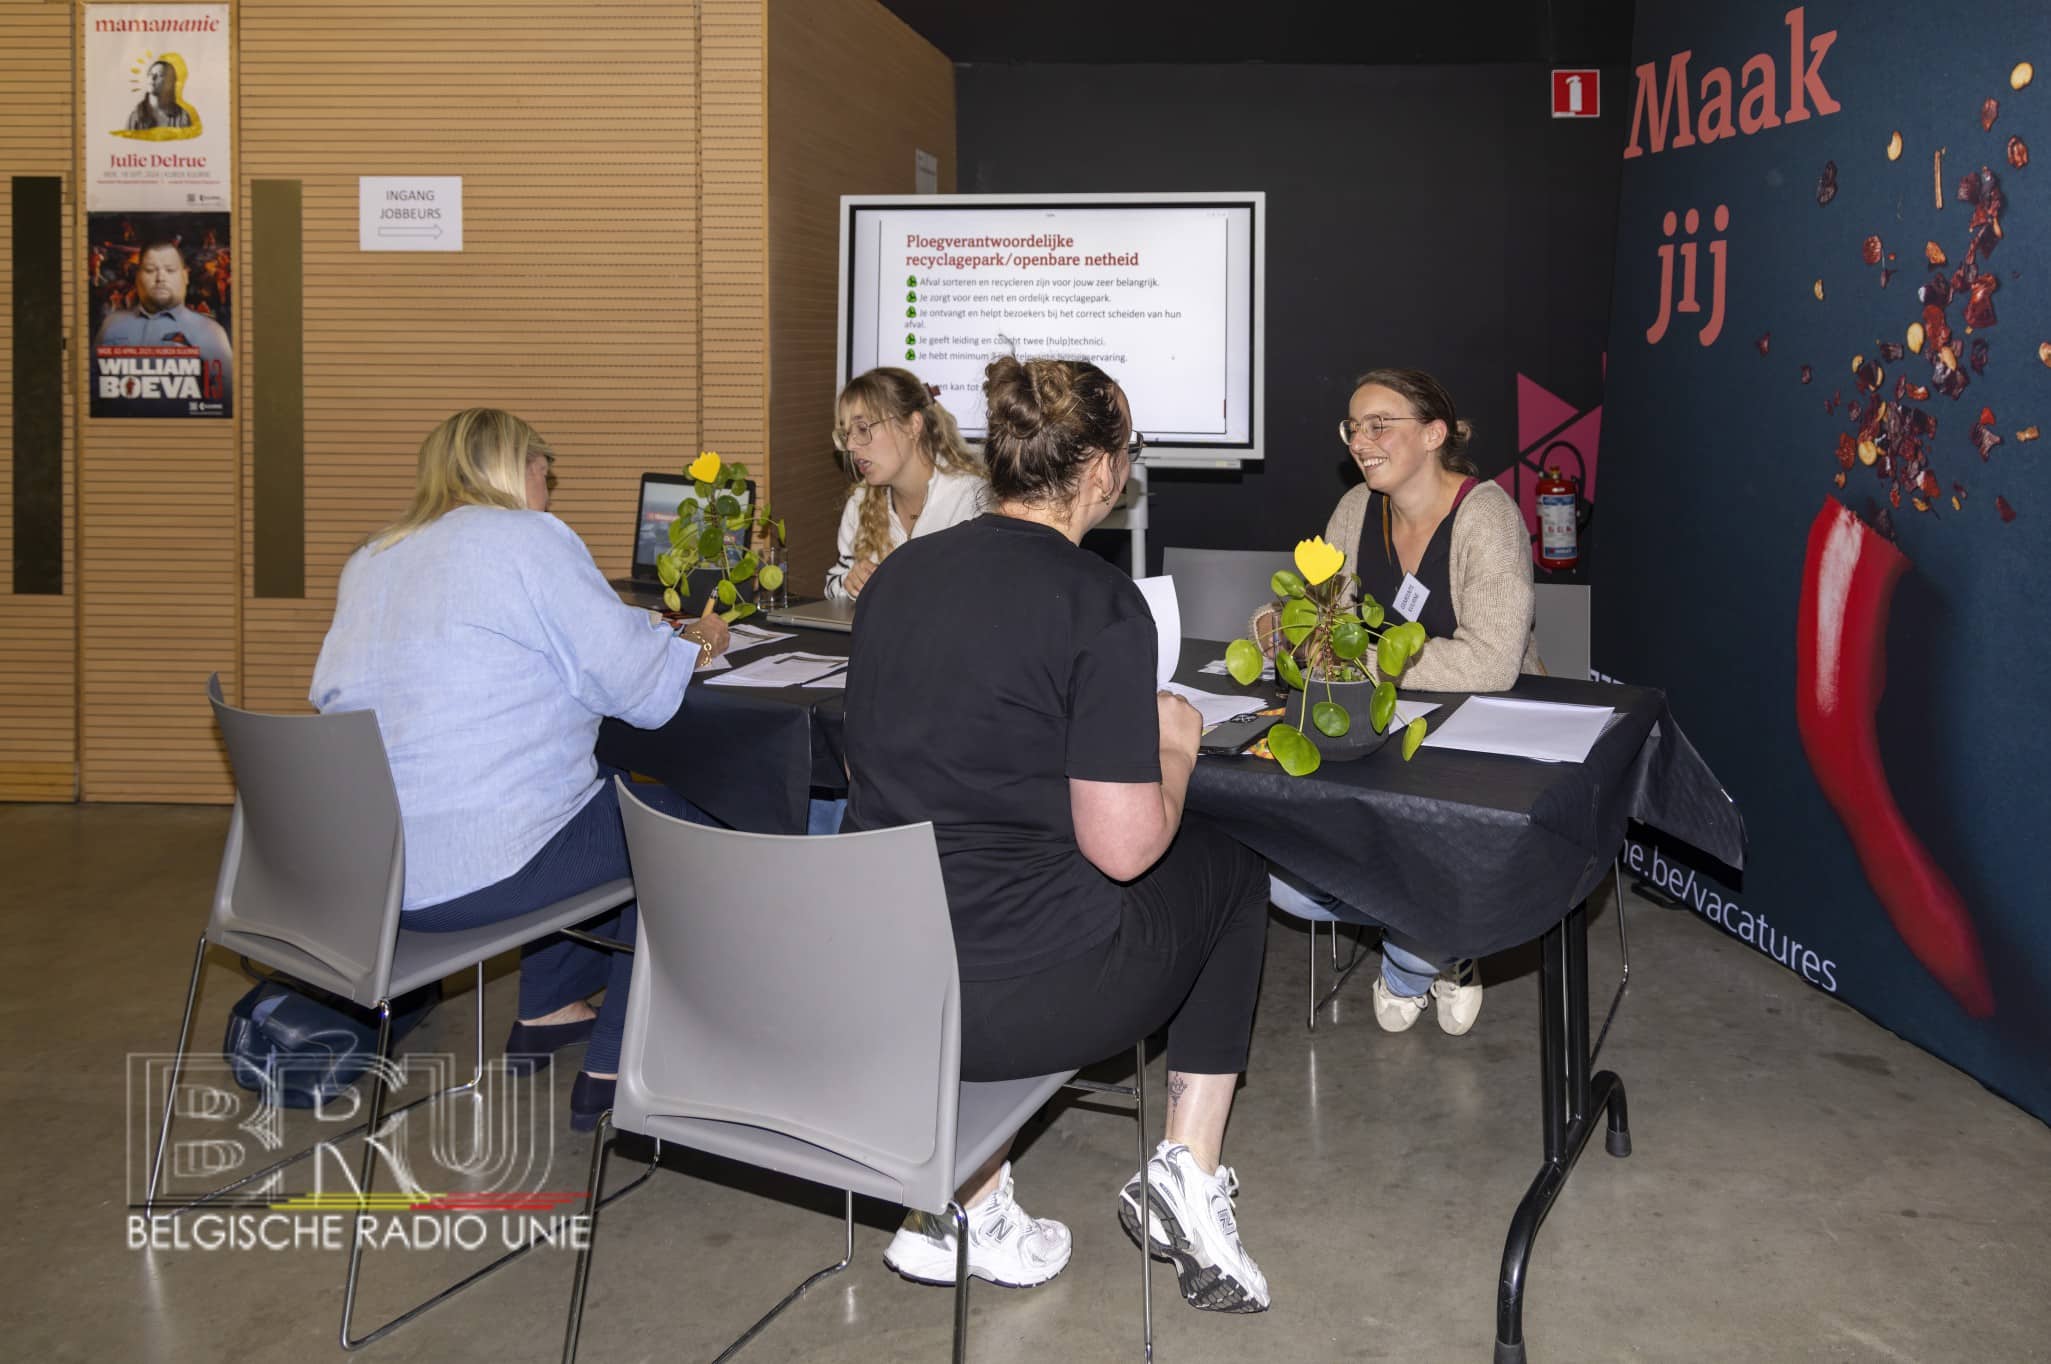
(1187, 953)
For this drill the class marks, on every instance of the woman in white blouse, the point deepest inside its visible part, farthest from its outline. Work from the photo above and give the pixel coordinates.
(913, 473)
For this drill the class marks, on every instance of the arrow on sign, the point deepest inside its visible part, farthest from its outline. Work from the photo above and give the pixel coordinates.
(435, 231)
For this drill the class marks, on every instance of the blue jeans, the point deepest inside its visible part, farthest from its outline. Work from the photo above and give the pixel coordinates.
(824, 816)
(588, 851)
(1408, 967)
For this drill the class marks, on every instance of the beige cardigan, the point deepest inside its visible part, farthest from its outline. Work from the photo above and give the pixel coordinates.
(1492, 594)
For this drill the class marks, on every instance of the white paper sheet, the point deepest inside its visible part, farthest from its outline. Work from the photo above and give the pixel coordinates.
(1216, 668)
(837, 682)
(779, 670)
(1216, 709)
(748, 636)
(1160, 595)
(1545, 730)
(1406, 711)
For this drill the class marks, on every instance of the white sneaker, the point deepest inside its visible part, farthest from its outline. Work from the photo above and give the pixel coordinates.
(1458, 993)
(1397, 1012)
(1191, 1223)
(1006, 1245)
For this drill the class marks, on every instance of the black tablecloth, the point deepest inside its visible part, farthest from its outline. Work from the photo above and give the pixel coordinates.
(748, 757)
(1470, 852)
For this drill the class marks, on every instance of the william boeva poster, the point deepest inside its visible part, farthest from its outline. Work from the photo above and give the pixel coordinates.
(159, 270)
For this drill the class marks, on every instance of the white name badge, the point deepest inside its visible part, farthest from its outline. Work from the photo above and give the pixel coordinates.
(1411, 597)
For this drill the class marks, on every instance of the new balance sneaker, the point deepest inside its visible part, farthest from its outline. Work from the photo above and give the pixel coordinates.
(1006, 1246)
(1397, 1012)
(1191, 1223)
(1457, 992)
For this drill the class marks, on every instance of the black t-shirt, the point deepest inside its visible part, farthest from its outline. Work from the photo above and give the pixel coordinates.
(991, 662)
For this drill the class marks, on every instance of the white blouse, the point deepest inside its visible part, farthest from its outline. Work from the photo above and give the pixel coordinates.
(951, 498)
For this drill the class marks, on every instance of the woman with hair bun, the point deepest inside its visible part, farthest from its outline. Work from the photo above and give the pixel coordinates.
(1425, 513)
(1001, 686)
(913, 472)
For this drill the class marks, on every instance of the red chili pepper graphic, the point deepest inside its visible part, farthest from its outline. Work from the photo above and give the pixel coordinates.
(1848, 585)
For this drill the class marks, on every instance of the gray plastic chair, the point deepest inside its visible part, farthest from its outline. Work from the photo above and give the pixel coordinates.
(1218, 590)
(311, 884)
(796, 1006)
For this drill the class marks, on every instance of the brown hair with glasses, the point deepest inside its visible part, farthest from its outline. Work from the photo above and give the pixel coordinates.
(882, 396)
(1430, 401)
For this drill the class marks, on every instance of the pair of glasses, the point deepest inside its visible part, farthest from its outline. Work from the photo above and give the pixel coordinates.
(1135, 447)
(1371, 427)
(856, 433)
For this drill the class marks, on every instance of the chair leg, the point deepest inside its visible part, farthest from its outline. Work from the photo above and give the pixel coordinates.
(1623, 950)
(600, 1141)
(367, 1170)
(199, 961)
(961, 1281)
(847, 1257)
(1312, 997)
(1146, 1251)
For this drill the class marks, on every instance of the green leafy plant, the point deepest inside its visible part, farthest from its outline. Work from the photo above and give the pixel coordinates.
(1326, 644)
(716, 527)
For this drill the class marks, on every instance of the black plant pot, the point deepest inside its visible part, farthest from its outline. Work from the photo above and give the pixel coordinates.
(1360, 739)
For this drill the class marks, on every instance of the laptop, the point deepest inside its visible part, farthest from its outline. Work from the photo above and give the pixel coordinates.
(654, 509)
(817, 615)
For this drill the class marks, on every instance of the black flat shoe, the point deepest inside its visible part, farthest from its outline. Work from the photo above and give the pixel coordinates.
(589, 1098)
(531, 1046)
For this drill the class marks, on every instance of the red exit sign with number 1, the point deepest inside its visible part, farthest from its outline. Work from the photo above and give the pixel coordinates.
(1576, 94)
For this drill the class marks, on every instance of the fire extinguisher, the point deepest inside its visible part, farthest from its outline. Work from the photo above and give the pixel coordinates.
(1557, 498)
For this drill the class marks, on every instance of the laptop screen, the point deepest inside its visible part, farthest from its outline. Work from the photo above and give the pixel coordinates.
(661, 494)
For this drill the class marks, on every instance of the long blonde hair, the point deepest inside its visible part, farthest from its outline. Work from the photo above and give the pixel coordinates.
(477, 458)
(891, 394)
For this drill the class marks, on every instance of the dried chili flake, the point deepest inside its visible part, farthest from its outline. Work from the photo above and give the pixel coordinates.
(1933, 253)
(1869, 376)
(1945, 375)
(2001, 505)
(1883, 521)
(1846, 449)
(2027, 434)
(1980, 302)
(1885, 276)
(1830, 403)
(1826, 184)
(1989, 111)
(1838, 478)
(1891, 351)
(1985, 438)
(1929, 486)
(1936, 329)
(2044, 351)
(1871, 251)
(2018, 153)
(1918, 392)
(1894, 497)
(1765, 342)
(1937, 293)
(1807, 374)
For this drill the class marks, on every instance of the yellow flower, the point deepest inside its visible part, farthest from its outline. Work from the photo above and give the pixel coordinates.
(706, 467)
(1317, 561)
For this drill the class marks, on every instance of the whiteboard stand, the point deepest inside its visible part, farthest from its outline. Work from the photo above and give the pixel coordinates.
(1130, 515)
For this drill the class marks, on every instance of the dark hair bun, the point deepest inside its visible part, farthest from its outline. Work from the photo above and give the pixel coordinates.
(1047, 419)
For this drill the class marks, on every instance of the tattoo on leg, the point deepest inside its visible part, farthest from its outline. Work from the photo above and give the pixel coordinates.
(1176, 1085)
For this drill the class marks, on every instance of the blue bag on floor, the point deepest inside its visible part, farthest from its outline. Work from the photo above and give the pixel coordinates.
(300, 1047)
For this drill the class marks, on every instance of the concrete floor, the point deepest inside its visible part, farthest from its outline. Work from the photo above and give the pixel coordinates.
(1805, 1185)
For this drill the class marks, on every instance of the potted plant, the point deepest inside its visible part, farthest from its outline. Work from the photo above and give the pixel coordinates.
(1328, 639)
(714, 528)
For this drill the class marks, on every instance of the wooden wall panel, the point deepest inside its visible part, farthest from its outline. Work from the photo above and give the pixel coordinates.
(853, 94)
(735, 259)
(38, 634)
(573, 303)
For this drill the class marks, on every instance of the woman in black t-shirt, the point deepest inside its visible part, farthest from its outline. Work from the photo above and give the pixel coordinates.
(1001, 685)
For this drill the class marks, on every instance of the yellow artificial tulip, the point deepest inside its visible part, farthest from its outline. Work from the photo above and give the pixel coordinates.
(1317, 561)
(705, 468)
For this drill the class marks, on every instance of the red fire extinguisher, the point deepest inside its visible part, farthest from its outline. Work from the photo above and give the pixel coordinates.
(1557, 496)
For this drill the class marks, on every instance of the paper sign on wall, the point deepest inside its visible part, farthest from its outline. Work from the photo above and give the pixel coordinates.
(158, 100)
(409, 212)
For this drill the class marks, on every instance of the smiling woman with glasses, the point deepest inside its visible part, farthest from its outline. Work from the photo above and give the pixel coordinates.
(913, 473)
(1427, 532)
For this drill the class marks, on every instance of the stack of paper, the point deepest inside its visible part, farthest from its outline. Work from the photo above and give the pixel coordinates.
(795, 669)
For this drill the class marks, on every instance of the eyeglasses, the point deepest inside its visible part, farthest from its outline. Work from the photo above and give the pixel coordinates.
(856, 433)
(1371, 427)
(1135, 447)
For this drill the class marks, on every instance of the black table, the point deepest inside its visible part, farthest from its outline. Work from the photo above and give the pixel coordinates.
(1472, 852)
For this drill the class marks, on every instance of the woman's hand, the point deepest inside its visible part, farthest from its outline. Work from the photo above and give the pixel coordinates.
(708, 632)
(857, 576)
